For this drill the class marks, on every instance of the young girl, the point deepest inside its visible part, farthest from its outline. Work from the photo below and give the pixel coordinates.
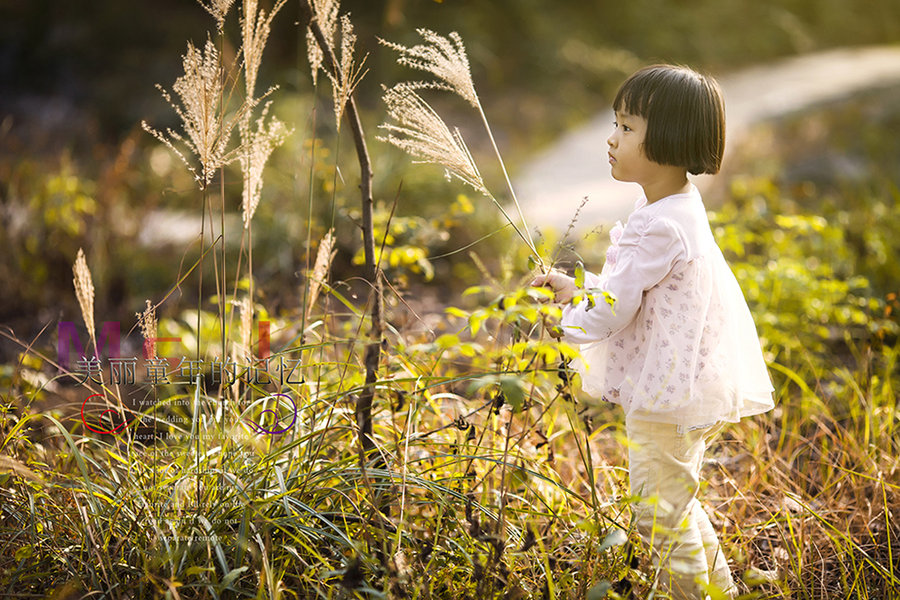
(678, 349)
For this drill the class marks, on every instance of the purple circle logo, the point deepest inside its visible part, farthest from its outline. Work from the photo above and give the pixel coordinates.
(271, 421)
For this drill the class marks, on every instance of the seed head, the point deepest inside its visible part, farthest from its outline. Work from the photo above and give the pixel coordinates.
(420, 131)
(258, 145)
(326, 13)
(256, 25)
(84, 291)
(218, 9)
(320, 270)
(344, 82)
(443, 57)
(148, 324)
(206, 131)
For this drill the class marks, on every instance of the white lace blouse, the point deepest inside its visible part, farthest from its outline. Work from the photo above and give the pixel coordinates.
(679, 344)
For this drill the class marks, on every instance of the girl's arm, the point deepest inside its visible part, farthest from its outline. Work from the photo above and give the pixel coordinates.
(647, 253)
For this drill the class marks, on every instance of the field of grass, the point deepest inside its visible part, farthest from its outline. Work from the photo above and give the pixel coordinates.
(479, 471)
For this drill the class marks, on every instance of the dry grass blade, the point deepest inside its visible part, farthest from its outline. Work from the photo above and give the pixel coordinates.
(421, 132)
(344, 82)
(326, 13)
(84, 291)
(9, 464)
(218, 9)
(256, 25)
(443, 57)
(320, 270)
(206, 131)
(256, 149)
(148, 325)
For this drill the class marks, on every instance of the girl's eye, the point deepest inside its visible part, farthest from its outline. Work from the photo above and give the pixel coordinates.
(626, 128)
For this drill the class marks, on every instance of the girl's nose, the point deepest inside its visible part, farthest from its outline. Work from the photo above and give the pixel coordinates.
(611, 140)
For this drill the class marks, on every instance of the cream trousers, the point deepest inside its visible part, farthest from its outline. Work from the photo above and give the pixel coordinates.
(664, 469)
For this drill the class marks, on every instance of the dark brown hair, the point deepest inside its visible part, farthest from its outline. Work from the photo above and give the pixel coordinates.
(685, 116)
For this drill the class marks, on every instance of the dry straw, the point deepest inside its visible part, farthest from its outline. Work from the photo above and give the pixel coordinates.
(257, 147)
(206, 131)
(326, 13)
(349, 72)
(84, 291)
(218, 9)
(421, 132)
(320, 270)
(149, 328)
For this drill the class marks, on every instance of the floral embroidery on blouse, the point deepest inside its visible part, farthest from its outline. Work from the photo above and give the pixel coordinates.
(679, 342)
(615, 234)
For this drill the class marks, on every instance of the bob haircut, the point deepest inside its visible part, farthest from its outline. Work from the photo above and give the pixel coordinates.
(685, 116)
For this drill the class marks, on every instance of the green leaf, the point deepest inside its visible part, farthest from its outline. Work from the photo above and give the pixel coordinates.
(475, 321)
(616, 537)
(24, 552)
(599, 591)
(448, 340)
(589, 525)
(471, 350)
(539, 293)
(477, 289)
(233, 575)
(456, 312)
(514, 390)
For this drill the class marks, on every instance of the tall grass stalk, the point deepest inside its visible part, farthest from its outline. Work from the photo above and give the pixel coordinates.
(373, 349)
(420, 130)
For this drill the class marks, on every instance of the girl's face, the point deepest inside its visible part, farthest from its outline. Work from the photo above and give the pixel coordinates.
(626, 150)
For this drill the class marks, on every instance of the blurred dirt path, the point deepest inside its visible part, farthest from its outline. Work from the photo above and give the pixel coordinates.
(552, 185)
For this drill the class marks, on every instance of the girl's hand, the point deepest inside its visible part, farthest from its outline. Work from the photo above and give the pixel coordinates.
(563, 285)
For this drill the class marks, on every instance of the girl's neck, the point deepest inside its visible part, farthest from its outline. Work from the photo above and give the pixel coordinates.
(672, 180)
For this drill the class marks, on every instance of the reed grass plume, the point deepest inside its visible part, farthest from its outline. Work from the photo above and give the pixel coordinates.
(350, 73)
(421, 132)
(324, 256)
(443, 57)
(326, 13)
(84, 291)
(256, 25)
(218, 9)
(149, 328)
(256, 148)
(206, 132)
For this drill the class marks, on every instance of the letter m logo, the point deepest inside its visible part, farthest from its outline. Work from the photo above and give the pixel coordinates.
(68, 340)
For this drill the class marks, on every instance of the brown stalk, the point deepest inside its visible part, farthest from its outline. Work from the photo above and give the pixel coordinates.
(372, 355)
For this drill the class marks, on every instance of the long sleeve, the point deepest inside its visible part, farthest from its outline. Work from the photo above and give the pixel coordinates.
(679, 344)
(648, 251)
